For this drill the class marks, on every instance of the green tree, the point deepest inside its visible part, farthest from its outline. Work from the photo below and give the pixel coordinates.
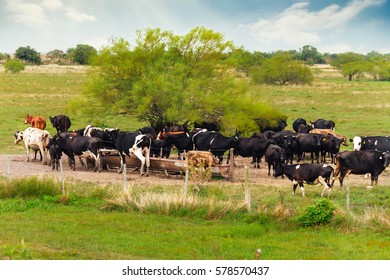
(166, 78)
(14, 66)
(82, 54)
(28, 54)
(56, 56)
(310, 55)
(282, 69)
(351, 64)
(246, 61)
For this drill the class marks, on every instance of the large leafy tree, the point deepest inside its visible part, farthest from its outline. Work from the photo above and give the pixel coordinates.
(28, 54)
(166, 78)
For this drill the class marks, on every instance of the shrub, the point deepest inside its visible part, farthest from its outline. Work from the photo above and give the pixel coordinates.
(29, 187)
(318, 213)
(14, 66)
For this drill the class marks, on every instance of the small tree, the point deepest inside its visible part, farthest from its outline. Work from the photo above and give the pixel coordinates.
(14, 66)
(282, 69)
(83, 54)
(28, 54)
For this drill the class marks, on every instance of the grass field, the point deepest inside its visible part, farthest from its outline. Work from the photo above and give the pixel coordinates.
(83, 226)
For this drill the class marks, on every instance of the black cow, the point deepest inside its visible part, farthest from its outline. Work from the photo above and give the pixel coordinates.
(55, 156)
(312, 174)
(376, 143)
(297, 123)
(309, 142)
(304, 128)
(82, 146)
(253, 147)
(331, 145)
(266, 135)
(274, 155)
(181, 140)
(104, 135)
(61, 123)
(361, 162)
(132, 143)
(274, 125)
(288, 141)
(216, 143)
(323, 124)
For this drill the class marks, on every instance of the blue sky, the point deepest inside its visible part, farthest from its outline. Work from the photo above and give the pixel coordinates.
(257, 25)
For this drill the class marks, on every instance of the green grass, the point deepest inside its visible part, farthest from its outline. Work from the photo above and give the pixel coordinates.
(78, 225)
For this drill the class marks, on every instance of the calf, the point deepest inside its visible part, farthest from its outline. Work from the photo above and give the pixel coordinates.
(35, 139)
(82, 146)
(274, 156)
(132, 143)
(360, 162)
(35, 121)
(312, 174)
(61, 123)
(55, 156)
(201, 159)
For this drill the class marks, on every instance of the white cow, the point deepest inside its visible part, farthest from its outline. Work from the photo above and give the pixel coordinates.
(34, 138)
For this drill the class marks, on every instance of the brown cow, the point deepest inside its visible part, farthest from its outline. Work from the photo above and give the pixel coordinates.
(35, 121)
(331, 132)
(201, 159)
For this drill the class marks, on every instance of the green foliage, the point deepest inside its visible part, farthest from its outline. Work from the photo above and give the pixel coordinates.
(82, 54)
(15, 252)
(245, 61)
(29, 187)
(14, 66)
(318, 213)
(28, 54)
(282, 69)
(167, 78)
(310, 55)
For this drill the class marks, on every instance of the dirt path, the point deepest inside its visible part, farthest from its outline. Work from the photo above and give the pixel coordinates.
(15, 166)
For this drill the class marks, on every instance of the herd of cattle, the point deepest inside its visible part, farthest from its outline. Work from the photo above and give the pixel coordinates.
(279, 148)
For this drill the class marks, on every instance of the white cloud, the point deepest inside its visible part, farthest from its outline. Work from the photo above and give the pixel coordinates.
(30, 14)
(77, 15)
(297, 25)
(38, 13)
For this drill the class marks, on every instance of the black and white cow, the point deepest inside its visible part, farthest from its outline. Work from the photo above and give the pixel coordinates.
(216, 143)
(34, 138)
(360, 162)
(61, 123)
(307, 173)
(376, 143)
(181, 140)
(274, 156)
(310, 143)
(81, 146)
(323, 124)
(132, 143)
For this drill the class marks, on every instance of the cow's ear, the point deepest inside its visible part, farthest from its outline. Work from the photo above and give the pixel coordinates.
(323, 139)
(364, 142)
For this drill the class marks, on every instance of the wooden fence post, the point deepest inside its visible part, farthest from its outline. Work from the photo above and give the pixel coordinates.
(185, 187)
(231, 165)
(247, 189)
(62, 178)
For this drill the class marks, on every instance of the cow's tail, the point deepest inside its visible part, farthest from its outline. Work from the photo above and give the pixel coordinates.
(45, 137)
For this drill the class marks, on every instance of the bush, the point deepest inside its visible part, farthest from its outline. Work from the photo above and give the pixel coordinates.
(14, 66)
(317, 214)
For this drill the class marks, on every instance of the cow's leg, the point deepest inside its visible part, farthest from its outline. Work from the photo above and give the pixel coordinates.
(323, 182)
(295, 185)
(302, 188)
(123, 160)
(27, 152)
(147, 159)
(140, 156)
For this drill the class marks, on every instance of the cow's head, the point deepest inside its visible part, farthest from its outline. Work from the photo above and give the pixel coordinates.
(279, 171)
(357, 143)
(27, 119)
(386, 156)
(18, 136)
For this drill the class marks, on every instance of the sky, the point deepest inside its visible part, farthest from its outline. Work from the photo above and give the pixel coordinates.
(332, 26)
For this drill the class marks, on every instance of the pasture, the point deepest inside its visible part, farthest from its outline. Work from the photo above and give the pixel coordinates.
(94, 221)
